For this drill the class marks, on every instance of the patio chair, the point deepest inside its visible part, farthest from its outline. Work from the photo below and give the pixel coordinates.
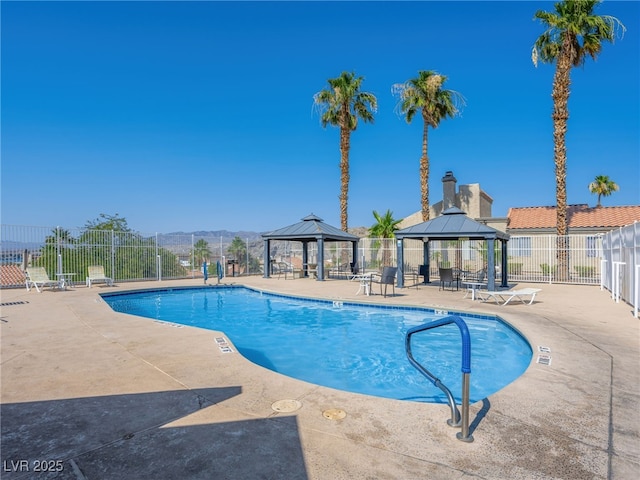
(473, 282)
(341, 270)
(354, 269)
(96, 275)
(388, 277)
(446, 276)
(293, 271)
(38, 277)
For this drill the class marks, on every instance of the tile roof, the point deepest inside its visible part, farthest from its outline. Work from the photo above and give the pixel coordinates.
(11, 275)
(578, 216)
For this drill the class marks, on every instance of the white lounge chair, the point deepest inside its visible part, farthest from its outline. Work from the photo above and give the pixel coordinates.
(38, 277)
(507, 295)
(96, 274)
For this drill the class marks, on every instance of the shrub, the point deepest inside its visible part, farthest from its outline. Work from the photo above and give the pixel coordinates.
(585, 271)
(548, 269)
(515, 268)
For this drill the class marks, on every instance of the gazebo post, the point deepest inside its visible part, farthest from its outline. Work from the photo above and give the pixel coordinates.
(320, 265)
(491, 265)
(400, 276)
(354, 254)
(266, 258)
(505, 265)
(305, 259)
(426, 254)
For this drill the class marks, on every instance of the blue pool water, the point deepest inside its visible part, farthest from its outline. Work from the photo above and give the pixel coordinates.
(352, 347)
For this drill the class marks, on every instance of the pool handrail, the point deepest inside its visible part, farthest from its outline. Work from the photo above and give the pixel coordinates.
(457, 419)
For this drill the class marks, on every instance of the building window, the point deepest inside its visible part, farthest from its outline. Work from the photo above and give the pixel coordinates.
(520, 246)
(593, 247)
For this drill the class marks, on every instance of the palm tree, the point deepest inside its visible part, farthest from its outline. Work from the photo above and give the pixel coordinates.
(572, 33)
(238, 249)
(341, 105)
(425, 94)
(201, 252)
(603, 186)
(385, 227)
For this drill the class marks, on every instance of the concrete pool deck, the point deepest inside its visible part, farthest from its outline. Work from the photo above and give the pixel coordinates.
(88, 393)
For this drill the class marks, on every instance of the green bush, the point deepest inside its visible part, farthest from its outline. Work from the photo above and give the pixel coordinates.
(515, 268)
(548, 269)
(584, 271)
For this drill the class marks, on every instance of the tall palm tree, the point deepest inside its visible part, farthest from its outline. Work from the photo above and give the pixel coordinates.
(385, 227)
(424, 94)
(238, 249)
(201, 252)
(573, 32)
(603, 186)
(341, 105)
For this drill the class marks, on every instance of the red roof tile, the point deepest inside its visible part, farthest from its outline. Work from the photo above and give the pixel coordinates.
(578, 216)
(11, 275)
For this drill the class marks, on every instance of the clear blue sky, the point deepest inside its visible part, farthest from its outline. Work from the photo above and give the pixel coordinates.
(183, 116)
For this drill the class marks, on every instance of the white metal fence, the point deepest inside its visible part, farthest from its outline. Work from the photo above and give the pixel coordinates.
(609, 260)
(530, 259)
(621, 264)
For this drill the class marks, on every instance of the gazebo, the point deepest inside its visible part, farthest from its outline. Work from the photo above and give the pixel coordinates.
(310, 229)
(454, 224)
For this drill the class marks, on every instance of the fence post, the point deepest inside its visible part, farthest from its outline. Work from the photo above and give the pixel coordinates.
(635, 296)
(113, 254)
(58, 252)
(603, 267)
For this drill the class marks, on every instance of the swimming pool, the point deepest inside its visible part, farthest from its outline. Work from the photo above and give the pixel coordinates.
(348, 346)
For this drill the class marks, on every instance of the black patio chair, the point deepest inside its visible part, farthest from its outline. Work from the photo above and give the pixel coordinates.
(446, 276)
(388, 277)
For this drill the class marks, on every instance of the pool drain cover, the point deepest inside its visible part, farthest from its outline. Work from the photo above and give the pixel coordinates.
(334, 414)
(286, 406)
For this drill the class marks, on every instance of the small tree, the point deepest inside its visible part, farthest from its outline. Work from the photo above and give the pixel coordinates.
(238, 249)
(603, 186)
(108, 222)
(201, 252)
(385, 227)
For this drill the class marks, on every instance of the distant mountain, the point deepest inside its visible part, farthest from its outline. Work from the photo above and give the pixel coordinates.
(226, 235)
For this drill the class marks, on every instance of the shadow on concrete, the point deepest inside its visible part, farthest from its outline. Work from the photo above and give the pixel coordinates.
(486, 406)
(130, 436)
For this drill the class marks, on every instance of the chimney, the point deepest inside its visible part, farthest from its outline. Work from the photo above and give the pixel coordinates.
(448, 191)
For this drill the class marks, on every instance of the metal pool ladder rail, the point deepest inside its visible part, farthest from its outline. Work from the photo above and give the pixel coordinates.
(456, 419)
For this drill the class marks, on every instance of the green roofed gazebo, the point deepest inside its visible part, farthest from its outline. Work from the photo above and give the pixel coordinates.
(310, 229)
(454, 224)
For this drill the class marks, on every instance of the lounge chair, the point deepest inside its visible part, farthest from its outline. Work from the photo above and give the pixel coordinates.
(388, 277)
(38, 277)
(507, 295)
(97, 275)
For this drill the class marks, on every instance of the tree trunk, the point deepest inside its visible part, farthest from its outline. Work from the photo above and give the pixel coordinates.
(561, 84)
(424, 173)
(344, 176)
